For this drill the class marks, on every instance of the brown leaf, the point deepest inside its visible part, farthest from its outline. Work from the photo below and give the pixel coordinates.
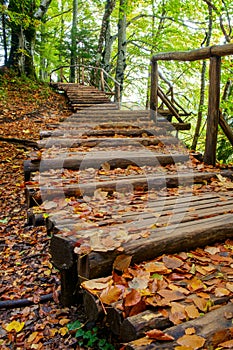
(141, 342)
(172, 262)
(192, 311)
(156, 266)
(157, 334)
(132, 298)
(190, 330)
(170, 295)
(110, 295)
(227, 344)
(122, 262)
(177, 314)
(194, 341)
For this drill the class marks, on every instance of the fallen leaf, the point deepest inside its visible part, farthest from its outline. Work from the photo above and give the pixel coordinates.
(192, 311)
(96, 284)
(14, 325)
(132, 298)
(157, 334)
(227, 344)
(141, 342)
(32, 337)
(194, 341)
(122, 262)
(172, 262)
(190, 330)
(110, 295)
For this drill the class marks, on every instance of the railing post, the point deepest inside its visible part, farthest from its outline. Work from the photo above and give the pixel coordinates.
(154, 90)
(213, 110)
(102, 80)
(83, 75)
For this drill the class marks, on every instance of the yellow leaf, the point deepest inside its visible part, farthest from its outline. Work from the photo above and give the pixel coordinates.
(32, 337)
(64, 321)
(53, 331)
(63, 331)
(14, 325)
(47, 272)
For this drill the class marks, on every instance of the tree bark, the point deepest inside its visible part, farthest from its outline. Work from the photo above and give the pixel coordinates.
(23, 39)
(73, 51)
(122, 44)
(202, 89)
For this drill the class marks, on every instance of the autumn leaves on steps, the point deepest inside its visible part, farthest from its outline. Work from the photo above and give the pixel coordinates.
(109, 182)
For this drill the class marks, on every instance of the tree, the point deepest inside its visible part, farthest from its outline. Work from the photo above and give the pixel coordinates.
(24, 16)
(122, 44)
(73, 48)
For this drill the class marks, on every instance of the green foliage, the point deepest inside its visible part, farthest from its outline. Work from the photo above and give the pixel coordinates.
(88, 338)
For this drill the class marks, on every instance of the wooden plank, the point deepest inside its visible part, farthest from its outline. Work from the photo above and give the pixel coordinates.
(170, 239)
(213, 327)
(92, 142)
(116, 159)
(134, 132)
(132, 183)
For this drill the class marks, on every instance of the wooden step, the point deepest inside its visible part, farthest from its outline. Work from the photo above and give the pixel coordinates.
(183, 231)
(95, 160)
(92, 142)
(131, 183)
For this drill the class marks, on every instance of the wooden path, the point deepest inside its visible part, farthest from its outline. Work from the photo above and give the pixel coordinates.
(108, 182)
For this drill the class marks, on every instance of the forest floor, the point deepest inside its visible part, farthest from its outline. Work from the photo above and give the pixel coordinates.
(26, 269)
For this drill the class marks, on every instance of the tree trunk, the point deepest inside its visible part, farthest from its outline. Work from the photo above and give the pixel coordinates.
(122, 43)
(23, 38)
(105, 42)
(3, 2)
(202, 90)
(73, 53)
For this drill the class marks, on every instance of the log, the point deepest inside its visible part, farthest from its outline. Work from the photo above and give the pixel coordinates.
(24, 142)
(160, 130)
(131, 183)
(92, 142)
(195, 55)
(226, 128)
(117, 159)
(134, 327)
(214, 327)
(171, 239)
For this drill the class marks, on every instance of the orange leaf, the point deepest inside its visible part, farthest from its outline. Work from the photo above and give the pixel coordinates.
(110, 295)
(190, 330)
(192, 311)
(227, 344)
(159, 335)
(194, 341)
(132, 298)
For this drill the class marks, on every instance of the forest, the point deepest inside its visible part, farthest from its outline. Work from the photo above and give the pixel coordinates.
(115, 226)
(121, 37)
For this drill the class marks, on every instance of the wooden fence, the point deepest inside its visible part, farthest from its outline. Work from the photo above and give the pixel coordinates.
(214, 117)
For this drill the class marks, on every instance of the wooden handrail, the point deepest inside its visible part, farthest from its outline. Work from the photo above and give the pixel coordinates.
(214, 53)
(82, 78)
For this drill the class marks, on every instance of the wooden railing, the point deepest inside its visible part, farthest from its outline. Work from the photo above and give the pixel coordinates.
(214, 53)
(89, 75)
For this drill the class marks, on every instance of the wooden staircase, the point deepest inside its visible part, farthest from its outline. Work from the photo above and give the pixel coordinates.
(82, 96)
(108, 182)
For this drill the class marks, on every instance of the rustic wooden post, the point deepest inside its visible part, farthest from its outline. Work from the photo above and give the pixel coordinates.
(102, 79)
(154, 90)
(213, 110)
